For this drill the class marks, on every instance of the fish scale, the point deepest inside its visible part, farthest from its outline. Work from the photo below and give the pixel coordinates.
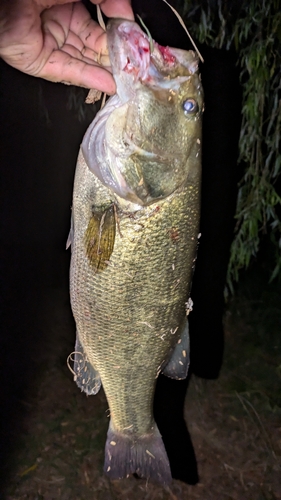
(139, 286)
(135, 220)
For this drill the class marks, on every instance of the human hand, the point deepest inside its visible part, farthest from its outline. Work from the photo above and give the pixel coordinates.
(57, 40)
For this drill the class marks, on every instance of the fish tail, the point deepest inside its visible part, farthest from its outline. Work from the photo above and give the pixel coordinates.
(142, 455)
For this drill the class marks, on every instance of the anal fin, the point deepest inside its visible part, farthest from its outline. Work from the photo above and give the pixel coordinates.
(178, 364)
(86, 377)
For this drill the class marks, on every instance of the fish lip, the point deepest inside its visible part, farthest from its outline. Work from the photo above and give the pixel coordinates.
(129, 49)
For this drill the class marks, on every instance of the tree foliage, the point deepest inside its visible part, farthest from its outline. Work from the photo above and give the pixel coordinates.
(253, 29)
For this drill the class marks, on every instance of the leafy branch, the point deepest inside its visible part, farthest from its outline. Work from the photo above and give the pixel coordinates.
(253, 28)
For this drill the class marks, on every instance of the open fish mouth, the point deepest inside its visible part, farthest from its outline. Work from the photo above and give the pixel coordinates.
(134, 54)
(135, 60)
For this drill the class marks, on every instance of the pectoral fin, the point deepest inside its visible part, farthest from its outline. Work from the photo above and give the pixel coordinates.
(86, 377)
(100, 236)
(178, 364)
(70, 236)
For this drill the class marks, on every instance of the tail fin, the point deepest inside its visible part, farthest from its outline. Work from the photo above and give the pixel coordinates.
(142, 455)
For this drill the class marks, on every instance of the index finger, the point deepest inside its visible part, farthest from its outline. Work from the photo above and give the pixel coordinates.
(77, 72)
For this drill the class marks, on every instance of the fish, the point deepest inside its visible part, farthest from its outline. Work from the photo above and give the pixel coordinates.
(134, 232)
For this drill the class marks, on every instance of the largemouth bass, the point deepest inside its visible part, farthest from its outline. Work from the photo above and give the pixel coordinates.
(134, 237)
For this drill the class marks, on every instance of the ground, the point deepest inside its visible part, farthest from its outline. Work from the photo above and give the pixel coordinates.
(234, 421)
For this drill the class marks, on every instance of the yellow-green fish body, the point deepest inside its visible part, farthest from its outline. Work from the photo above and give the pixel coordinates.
(135, 226)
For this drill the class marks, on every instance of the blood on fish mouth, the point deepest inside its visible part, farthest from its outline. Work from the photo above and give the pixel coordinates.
(168, 57)
(140, 48)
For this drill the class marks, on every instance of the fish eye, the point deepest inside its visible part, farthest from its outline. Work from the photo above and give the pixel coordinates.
(190, 106)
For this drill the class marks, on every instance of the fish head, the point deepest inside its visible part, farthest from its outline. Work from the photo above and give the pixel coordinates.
(152, 136)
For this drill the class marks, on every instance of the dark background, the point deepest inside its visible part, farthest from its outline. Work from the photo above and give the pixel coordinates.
(40, 134)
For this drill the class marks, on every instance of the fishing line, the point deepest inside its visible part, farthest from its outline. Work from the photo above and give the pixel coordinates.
(185, 29)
